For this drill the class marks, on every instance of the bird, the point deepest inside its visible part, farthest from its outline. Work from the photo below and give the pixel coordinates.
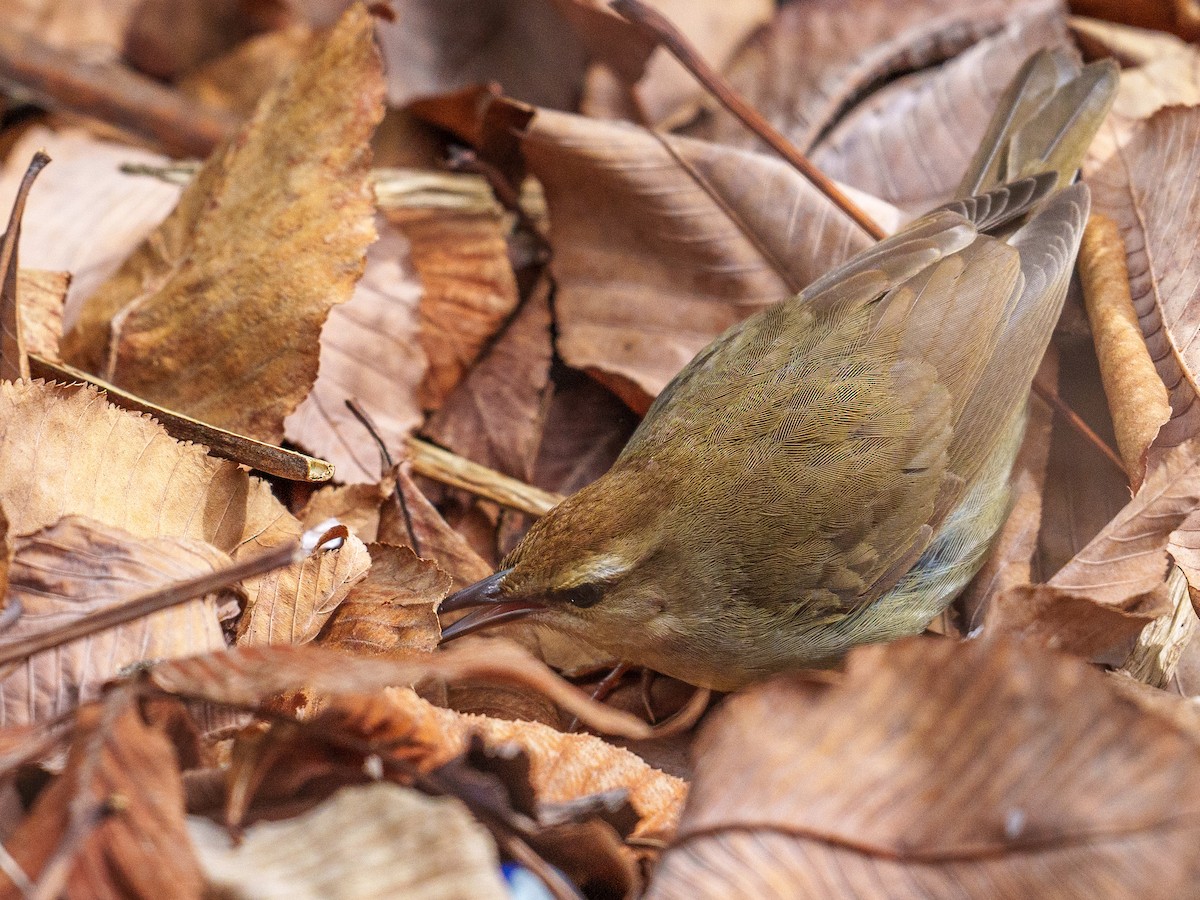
(831, 471)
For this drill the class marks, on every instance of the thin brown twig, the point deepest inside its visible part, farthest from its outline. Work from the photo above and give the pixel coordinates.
(111, 93)
(385, 456)
(1059, 405)
(672, 40)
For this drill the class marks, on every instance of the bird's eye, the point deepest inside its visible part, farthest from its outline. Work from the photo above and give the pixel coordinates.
(582, 595)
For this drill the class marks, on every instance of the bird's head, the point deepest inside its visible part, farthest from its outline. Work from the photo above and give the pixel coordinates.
(592, 567)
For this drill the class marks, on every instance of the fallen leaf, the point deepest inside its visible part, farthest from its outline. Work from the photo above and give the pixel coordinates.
(564, 767)
(116, 812)
(378, 840)
(393, 608)
(354, 505)
(936, 767)
(14, 360)
(95, 25)
(42, 295)
(86, 215)
(495, 416)
(910, 142)
(238, 79)
(1178, 16)
(468, 288)
(78, 567)
(217, 314)
(818, 59)
(1136, 395)
(370, 353)
(661, 243)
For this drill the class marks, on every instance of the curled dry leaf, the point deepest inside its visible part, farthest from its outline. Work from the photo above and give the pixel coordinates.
(661, 243)
(817, 59)
(378, 840)
(937, 768)
(42, 296)
(1137, 398)
(86, 215)
(1164, 270)
(218, 313)
(249, 676)
(370, 353)
(910, 142)
(563, 767)
(77, 567)
(393, 608)
(114, 818)
(1116, 584)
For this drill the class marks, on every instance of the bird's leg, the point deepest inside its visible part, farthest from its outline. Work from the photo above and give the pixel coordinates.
(648, 676)
(606, 686)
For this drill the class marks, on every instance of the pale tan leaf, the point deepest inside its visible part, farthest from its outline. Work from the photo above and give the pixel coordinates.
(563, 767)
(1136, 395)
(910, 142)
(290, 606)
(94, 26)
(370, 353)
(86, 215)
(393, 608)
(1130, 45)
(217, 314)
(938, 769)
(354, 505)
(42, 295)
(819, 58)
(468, 288)
(661, 243)
(378, 840)
(77, 567)
(118, 806)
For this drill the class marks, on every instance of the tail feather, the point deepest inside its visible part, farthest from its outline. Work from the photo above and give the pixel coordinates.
(1044, 122)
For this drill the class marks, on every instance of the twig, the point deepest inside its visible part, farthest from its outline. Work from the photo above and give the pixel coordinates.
(171, 595)
(1073, 419)
(449, 468)
(14, 362)
(670, 38)
(111, 93)
(388, 464)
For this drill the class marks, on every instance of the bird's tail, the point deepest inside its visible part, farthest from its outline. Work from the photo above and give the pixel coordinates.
(1044, 122)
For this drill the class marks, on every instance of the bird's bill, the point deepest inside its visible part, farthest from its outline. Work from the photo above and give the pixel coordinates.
(489, 605)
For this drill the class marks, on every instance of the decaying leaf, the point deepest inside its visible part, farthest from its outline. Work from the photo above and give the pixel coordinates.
(86, 215)
(1136, 395)
(112, 824)
(378, 840)
(77, 567)
(370, 353)
(660, 243)
(393, 608)
(563, 767)
(217, 314)
(936, 768)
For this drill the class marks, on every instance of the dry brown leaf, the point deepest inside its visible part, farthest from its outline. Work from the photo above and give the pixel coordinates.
(468, 288)
(563, 767)
(237, 80)
(1155, 223)
(818, 58)
(42, 296)
(354, 505)
(370, 353)
(393, 608)
(1136, 395)
(1178, 16)
(290, 606)
(938, 769)
(249, 676)
(495, 416)
(117, 809)
(910, 142)
(86, 215)
(661, 243)
(378, 840)
(1129, 45)
(437, 540)
(217, 315)
(77, 567)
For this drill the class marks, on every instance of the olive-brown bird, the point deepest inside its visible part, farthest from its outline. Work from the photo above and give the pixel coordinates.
(832, 470)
